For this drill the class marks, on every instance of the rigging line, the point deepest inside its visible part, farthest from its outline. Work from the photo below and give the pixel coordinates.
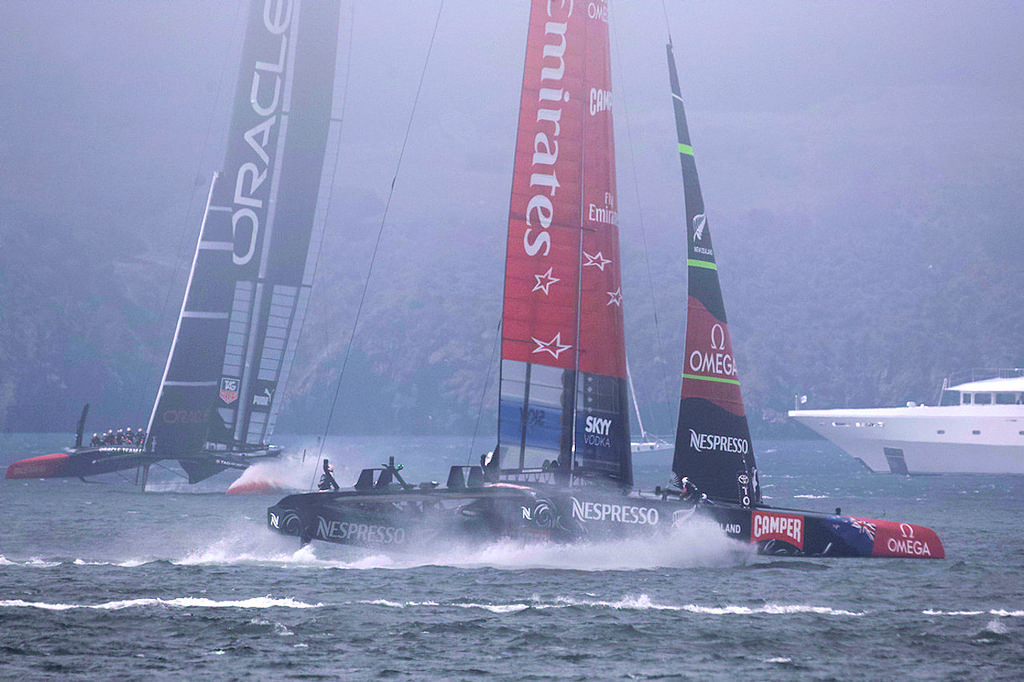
(483, 395)
(330, 185)
(380, 233)
(643, 231)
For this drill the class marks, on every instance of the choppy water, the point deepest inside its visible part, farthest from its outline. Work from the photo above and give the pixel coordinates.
(100, 583)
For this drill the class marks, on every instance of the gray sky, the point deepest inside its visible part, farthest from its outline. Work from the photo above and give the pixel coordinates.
(790, 103)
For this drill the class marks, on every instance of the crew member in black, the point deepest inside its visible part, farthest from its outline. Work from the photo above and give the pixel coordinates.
(327, 479)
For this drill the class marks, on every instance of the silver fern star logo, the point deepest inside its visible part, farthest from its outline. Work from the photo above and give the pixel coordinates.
(700, 221)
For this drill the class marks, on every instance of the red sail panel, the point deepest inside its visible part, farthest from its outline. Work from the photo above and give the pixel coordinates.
(602, 337)
(709, 369)
(542, 261)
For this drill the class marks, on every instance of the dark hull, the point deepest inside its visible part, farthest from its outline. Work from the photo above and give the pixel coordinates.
(85, 462)
(404, 520)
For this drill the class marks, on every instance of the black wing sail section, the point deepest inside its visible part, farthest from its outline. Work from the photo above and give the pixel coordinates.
(713, 448)
(251, 276)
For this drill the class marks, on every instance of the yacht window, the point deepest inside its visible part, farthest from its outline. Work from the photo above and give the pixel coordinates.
(1005, 398)
(982, 398)
(950, 398)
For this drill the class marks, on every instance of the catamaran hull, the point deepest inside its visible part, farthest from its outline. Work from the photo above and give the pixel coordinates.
(79, 463)
(96, 461)
(406, 521)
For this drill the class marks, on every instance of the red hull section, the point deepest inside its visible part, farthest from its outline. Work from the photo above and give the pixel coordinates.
(43, 466)
(894, 539)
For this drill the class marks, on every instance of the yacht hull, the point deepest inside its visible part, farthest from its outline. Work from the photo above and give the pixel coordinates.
(980, 439)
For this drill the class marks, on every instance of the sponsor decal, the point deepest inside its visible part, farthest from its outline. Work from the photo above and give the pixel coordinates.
(265, 98)
(717, 361)
(900, 540)
(543, 514)
(730, 444)
(359, 532)
(614, 513)
(774, 526)
(597, 431)
(598, 425)
(262, 399)
(744, 487)
(228, 390)
(263, 395)
(602, 214)
(600, 100)
(274, 520)
(543, 178)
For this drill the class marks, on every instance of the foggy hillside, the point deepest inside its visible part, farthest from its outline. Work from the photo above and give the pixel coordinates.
(865, 209)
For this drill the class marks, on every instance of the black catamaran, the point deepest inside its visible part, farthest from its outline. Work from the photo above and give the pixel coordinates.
(251, 275)
(562, 467)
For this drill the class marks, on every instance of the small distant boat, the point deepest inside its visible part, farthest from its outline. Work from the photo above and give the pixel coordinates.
(977, 428)
(647, 442)
(562, 468)
(252, 271)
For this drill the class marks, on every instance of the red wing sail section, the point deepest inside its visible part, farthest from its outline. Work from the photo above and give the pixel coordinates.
(713, 448)
(563, 357)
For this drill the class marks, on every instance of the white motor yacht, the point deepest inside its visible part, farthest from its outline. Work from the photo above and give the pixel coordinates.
(977, 427)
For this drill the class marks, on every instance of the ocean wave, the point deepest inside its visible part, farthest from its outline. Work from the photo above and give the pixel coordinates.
(178, 602)
(1002, 613)
(640, 602)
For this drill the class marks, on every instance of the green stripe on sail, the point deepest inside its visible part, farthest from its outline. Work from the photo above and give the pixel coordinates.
(719, 380)
(693, 262)
(685, 149)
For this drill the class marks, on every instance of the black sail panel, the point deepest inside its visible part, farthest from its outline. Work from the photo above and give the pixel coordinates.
(713, 448)
(251, 277)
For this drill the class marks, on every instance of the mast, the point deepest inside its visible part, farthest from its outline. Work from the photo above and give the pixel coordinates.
(563, 404)
(713, 447)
